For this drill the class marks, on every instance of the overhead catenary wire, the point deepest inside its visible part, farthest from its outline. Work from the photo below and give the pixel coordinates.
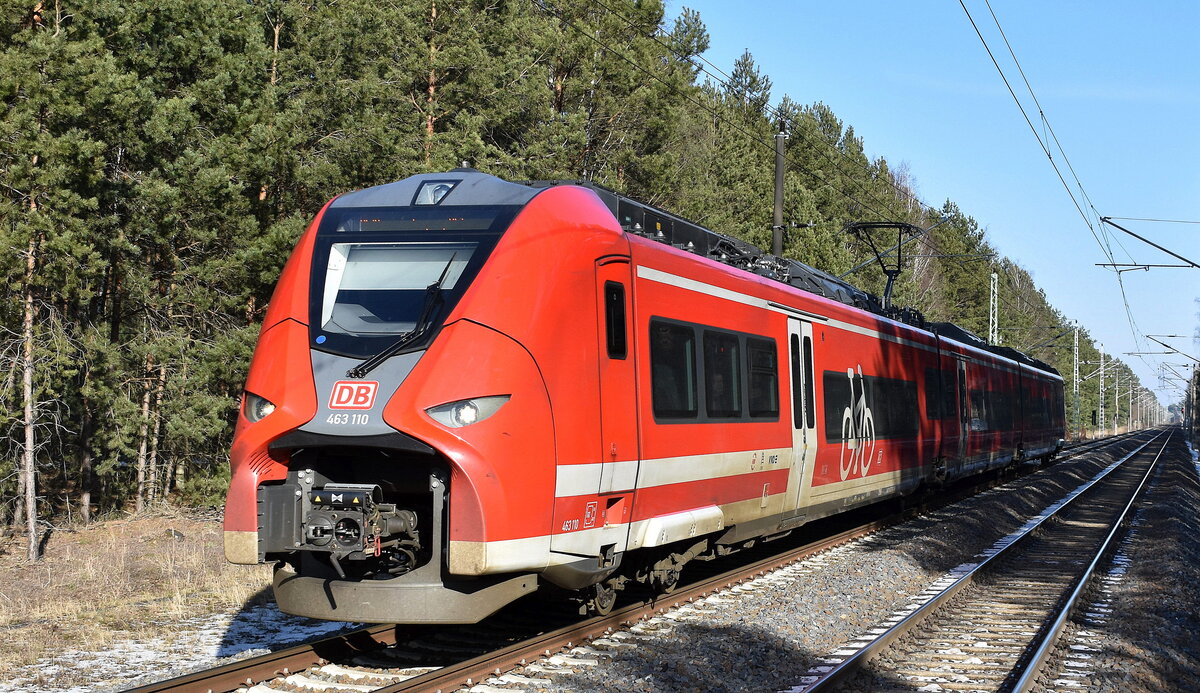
(1049, 128)
(1102, 220)
(1045, 149)
(812, 147)
(726, 80)
(1096, 228)
(1161, 221)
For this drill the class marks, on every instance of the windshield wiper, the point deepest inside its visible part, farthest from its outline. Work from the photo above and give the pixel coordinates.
(433, 294)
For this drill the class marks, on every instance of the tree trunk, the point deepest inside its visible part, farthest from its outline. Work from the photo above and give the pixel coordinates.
(18, 515)
(431, 89)
(85, 464)
(143, 436)
(28, 470)
(154, 466)
(114, 292)
(176, 470)
(277, 29)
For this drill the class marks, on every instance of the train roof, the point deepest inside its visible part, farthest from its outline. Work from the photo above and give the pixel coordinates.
(962, 335)
(467, 186)
(650, 222)
(464, 186)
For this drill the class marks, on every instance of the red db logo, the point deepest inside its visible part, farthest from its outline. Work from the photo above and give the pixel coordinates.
(353, 394)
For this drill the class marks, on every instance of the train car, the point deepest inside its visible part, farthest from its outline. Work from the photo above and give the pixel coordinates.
(466, 389)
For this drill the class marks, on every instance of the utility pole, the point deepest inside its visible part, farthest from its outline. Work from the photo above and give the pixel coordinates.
(777, 228)
(993, 323)
(1075, 383)
(1116, 400)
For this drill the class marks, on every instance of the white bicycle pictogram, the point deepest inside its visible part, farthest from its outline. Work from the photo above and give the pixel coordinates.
(858, 429)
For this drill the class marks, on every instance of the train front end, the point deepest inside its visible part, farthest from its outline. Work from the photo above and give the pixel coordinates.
(370, 395)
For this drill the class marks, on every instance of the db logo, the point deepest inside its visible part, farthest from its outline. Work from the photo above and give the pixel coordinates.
(353, 394)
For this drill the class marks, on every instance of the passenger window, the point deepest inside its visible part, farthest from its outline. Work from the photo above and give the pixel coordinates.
(673, 370)
(614, 319)
(764, 378)
(933, 394)
(838, 396)
(722, 368)
(949, 400)
(979, 417)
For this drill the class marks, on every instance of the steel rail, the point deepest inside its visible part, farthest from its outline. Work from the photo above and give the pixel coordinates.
(854, 663)
(1039, 658)
(229, 677)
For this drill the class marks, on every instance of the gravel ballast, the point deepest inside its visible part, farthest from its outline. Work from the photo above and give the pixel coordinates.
(1141, 628)
(767, 636)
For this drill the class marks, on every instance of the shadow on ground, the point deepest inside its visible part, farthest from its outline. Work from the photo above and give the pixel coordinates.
(260, 626)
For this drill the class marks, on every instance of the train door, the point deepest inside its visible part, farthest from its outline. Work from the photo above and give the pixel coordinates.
(618, 398)
(953, 425)
(804, 414)
(964, 420)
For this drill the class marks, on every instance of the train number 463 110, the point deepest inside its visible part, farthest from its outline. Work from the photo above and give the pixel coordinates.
(340, 419)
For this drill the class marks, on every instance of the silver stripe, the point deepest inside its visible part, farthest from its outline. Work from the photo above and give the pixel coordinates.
(584, 479)
(677, 470)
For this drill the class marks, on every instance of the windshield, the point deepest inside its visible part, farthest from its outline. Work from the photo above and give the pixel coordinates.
(379, 288)
(372, 269)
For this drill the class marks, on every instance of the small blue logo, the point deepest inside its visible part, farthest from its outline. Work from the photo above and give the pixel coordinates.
(321, 339)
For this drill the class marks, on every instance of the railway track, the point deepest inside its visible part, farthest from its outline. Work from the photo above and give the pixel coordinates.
(991, 626)
(392, 659)
(369, 659)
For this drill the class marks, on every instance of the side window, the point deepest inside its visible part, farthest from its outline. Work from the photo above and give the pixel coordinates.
(837, 397)
(940, 387)
(722, 371)
(894, 407)
(614, 319)
(933, 392)
(673, 370)
(979, 418)
(999, 411)
(949, 398)
(764, 377)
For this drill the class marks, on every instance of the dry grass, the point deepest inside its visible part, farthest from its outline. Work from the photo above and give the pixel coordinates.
(131, 578)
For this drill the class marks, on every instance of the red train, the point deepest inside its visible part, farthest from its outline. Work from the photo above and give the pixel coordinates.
(466, 388)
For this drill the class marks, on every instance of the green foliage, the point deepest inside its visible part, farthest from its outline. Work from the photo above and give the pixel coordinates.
(206, 487)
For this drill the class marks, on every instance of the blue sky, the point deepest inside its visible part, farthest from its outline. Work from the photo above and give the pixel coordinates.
(1118, 82)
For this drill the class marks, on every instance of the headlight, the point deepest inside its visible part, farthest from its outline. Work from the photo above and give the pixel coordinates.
(257, 408)
(466, 411)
